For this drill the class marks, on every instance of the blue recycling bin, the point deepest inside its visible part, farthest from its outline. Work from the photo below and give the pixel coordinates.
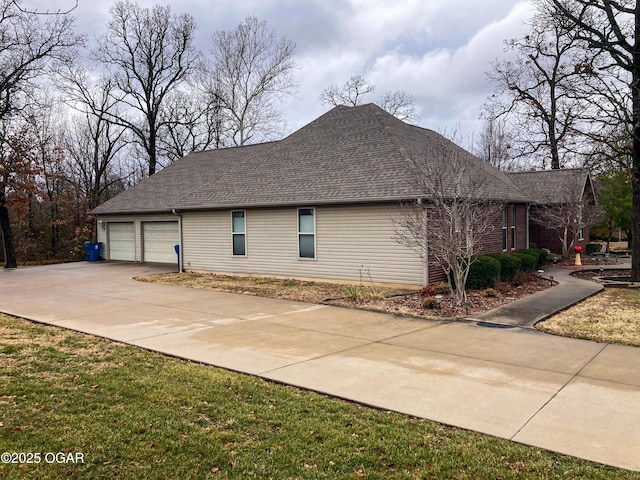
(93, 251)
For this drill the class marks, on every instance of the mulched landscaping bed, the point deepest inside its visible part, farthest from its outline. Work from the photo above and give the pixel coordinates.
(479, 301)
(591, 274)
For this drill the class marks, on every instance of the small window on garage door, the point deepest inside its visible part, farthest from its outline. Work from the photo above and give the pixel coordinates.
(159, 240)
(121, 241)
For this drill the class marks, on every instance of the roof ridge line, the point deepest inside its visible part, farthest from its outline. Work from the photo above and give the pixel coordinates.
(402, 150)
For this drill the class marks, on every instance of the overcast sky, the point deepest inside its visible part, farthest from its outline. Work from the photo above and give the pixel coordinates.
(436, 50)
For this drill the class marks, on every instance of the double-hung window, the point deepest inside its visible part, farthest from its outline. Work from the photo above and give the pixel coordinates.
(238, 233)
(581, 230)
(504, 229)
(513, 227)
(306, 233)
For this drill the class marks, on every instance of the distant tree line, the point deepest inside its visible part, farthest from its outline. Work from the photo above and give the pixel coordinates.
(82, 120)
(568, 95)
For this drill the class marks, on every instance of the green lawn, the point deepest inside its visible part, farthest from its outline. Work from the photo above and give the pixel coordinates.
(133, 414)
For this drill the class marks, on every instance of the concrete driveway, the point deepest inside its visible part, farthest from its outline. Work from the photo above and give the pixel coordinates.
(571, 396)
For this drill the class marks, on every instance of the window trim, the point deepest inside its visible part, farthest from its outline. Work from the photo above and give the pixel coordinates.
(315, 253)
(243, 233)
(582, 230)
(513, 228)
(505, 239)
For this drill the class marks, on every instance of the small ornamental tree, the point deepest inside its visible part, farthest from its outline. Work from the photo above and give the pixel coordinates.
(454, 214)
(567, 216)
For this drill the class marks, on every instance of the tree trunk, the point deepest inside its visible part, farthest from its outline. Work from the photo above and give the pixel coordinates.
(635, 180)
(153, 155)
(7, 235)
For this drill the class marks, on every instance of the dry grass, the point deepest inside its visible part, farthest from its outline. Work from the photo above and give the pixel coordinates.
(287, 289)
(612, 316)
(365, 296)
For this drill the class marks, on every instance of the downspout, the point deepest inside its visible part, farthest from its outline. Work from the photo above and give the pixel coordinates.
(181, 250)
(426, 242)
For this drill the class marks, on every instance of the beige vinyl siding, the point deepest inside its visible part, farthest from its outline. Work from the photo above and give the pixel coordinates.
(138, 220)
(350, 241)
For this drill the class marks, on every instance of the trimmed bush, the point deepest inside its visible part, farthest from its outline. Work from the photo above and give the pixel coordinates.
(593, 248)
(509, 265)
(529, 260)
(540, 253)
(484, 273)
(544, 253)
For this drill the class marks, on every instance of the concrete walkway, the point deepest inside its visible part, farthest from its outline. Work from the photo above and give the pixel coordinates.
(576, 397)
(534, 308)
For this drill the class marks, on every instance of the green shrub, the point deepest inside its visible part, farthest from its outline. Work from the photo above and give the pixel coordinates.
(529, 260)
(544, 254)
(540, 254)
(509, 265)
(593, 248)
(484, 273)
(353, 292)
(532, 253)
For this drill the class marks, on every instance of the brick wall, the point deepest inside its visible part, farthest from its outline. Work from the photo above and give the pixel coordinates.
(548, 238)
(492, 243)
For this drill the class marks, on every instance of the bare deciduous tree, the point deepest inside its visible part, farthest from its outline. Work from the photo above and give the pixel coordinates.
(92, 139)
(536, 91)
(28, 44)
(348, 94)
(399, 103)
(92, 145)
(252, 71)
(454, 216)
(613, 27)
(18, 172)
(148, 53)
(72, 6)
(567, 215)
(493, 144)
(195, 120)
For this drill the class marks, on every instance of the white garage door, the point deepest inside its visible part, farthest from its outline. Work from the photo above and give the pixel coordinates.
(122, 241)
(159, 240)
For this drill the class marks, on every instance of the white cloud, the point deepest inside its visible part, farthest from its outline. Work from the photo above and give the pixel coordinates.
(436, 50)
(446, 81)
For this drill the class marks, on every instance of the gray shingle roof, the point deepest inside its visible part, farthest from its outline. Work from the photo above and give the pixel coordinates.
(349, 154)
(554, 186)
